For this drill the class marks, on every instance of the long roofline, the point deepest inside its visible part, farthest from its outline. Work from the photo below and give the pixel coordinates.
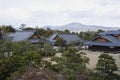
(109, 35)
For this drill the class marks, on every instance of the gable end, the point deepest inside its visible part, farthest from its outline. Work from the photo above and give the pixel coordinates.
(101, 39)
(35, 36)
(57, 38)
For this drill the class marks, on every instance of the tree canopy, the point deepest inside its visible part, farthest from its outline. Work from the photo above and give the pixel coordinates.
(72, 64)
(106, 67)
(61, 43)
(7, 28)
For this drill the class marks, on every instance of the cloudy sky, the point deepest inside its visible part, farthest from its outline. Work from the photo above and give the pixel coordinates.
(59, 12)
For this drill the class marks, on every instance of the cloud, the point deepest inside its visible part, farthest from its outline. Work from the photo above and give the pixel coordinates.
(15, 13)
(82, 14)
(44, 12)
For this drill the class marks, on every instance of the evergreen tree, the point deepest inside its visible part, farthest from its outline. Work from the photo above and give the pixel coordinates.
(72, 64)
(7, 28)
(61, 43)
(106, 67)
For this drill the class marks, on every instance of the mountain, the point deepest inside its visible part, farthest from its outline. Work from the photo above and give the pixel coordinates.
(76, 27)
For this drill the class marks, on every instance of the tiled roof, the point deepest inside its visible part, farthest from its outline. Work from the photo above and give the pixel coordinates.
(112, 39)
(113, 42)
(21, 35)
(90, 43)
(52, 37)
(117, 32)
(67, 37)
(70, 38)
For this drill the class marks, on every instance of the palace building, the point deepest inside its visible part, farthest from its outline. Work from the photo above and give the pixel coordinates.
(106, 41)
(30, 36)
(69, 38)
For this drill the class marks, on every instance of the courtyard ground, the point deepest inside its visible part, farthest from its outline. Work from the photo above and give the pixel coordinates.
(93, 56)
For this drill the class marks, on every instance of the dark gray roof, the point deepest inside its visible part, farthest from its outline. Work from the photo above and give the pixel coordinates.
(110, 36)
(117, 32)
(67, 37)
(20, 35)
(91, 43)
(112, 41)
(51, 38)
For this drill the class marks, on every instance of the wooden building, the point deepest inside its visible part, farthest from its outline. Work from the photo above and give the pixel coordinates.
(69, 38)
(30, 36)
(106, 41)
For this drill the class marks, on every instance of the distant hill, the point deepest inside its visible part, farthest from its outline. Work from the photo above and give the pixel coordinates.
(76, 27)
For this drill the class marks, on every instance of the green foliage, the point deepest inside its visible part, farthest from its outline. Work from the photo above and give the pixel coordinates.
(89, 35)
(19, 56)
(47, 50)
(33, 57)
(71, 64)
(95, 78)
(94, 75)
(106, 66)
(61, 43)
(3, 70)
(0, 35)
(100, 30)
(4, 29)
(28, 28)
(22, 47)
(5, 49)
(67, 31)
(46, 65)
(22, 26)
(15, 58)
(43, 32)
(7, 28)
